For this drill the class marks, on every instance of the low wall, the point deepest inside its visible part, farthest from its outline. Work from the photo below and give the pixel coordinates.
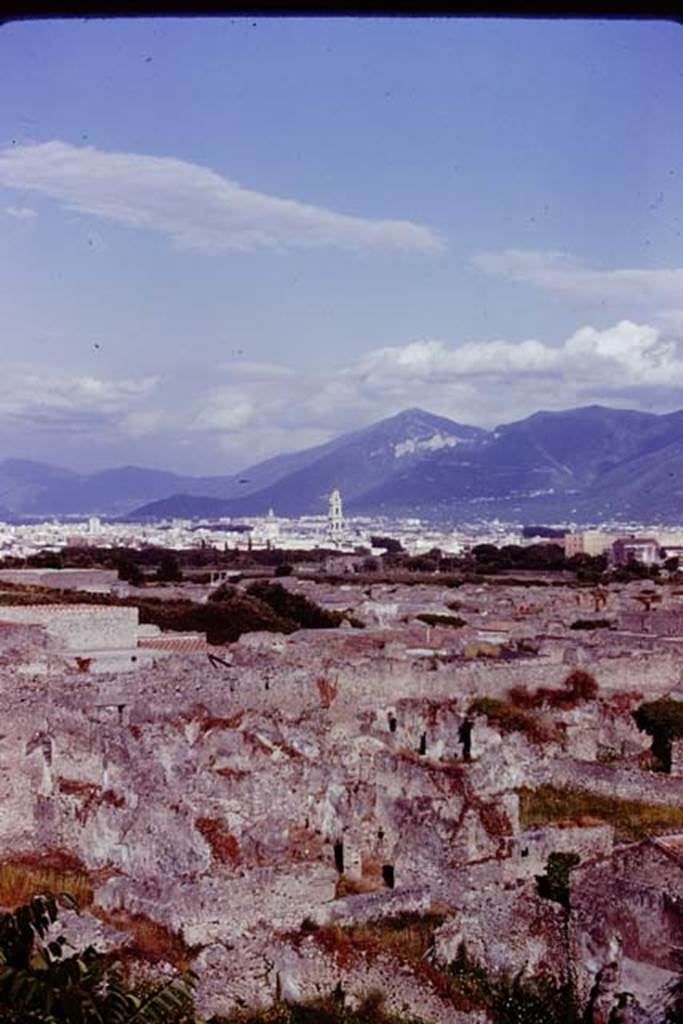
(80, 627)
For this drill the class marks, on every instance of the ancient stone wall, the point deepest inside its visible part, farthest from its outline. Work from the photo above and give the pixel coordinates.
(80, 627)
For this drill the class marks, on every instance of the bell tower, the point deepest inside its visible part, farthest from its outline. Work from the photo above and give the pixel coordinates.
(335, 518)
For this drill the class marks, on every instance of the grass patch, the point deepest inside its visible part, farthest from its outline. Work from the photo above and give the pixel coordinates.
(24, 877)
(632, 820)
(407, 936)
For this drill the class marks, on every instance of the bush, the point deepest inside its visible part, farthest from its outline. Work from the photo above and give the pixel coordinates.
(306, 614)
(441, 620)
(579, 687)
(43, 982)
(284, 570)
(510, 718)
(663, 720)
(554, 884)
(591, 624)
(169, 569)
(512, 1000)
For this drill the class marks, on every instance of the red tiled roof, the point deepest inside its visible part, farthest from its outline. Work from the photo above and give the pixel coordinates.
(179, 644)
(671, 845)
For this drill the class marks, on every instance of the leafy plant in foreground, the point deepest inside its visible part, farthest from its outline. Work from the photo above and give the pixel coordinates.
(41, 982)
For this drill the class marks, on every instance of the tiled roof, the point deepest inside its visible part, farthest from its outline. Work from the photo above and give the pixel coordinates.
(179, 644)
(671, 845)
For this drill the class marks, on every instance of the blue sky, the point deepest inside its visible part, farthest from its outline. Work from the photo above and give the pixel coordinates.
(221, 239)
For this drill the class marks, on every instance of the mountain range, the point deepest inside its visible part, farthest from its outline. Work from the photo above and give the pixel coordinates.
(590, 464)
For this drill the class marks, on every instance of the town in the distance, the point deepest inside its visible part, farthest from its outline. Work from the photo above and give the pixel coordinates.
(314, 757)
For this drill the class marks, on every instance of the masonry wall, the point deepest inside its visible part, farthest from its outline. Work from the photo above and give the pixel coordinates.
(94, 580)
(80, 627)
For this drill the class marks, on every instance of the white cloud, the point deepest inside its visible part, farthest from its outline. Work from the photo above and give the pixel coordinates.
(558, 272)
(243, 412)
(47, 400)
(192, 204)
(262, 409)
(21, 212)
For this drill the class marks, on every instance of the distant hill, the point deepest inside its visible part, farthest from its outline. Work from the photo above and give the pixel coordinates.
(587, 465)
(354, 463)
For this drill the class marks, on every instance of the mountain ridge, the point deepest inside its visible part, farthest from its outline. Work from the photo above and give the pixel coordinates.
(592, 462)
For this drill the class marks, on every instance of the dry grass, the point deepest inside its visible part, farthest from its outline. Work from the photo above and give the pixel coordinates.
(150, 940)
(224, 846)
(407, 938)
(631, 819)
(22, 878)
(509, 718)
(356, 886)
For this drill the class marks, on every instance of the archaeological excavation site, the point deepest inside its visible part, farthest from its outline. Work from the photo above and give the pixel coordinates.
(458, 809)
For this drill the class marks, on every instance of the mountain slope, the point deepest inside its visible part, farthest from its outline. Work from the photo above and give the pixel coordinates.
(591, 462)
(586, 464)
(353, 462)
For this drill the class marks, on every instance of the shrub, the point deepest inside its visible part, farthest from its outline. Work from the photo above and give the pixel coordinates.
(578, 687)
(43, 981)
(441, 620)
(222, 843)
(512, 1000)
(581, 686)
(284, 570)
(554, 884)
(591, 624)
(663, 720)
(169, 569)
(306, 614)
(510, 718)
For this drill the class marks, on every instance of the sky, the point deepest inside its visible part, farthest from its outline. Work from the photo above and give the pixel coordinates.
(221, 239)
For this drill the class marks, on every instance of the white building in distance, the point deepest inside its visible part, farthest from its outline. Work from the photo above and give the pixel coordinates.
(335, 517)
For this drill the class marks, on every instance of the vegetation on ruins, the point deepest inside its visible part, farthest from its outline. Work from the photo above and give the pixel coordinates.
(408, 935)
(228, 613)
(24, 876)
(569, 806)
(43, 980)
(508, 717)
(322, 1011)
(296, 608)
(592, 624)
(512, 999)
(554, 884)
(433, 619)
(579, 687)
(663, 721)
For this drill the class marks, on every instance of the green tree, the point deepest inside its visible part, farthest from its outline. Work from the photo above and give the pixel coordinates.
(41, 982)
(169, 569)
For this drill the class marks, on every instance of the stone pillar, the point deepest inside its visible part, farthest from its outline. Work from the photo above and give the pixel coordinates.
(677, 757)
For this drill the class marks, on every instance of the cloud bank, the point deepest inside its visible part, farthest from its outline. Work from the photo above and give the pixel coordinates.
(194, 205)
(559, 273)
(261, 409)
(240, 412)
(39, 400)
